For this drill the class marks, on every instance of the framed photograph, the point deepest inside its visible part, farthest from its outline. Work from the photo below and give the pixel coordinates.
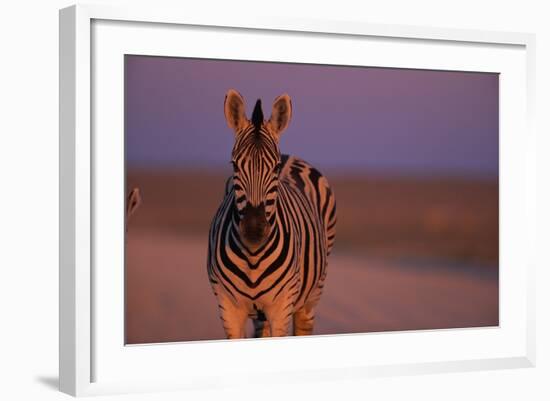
(292, 199)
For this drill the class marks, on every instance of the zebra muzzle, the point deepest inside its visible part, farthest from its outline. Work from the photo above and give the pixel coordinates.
(253, 226)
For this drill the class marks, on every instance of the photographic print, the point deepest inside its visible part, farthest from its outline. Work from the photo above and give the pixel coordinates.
(276, 199)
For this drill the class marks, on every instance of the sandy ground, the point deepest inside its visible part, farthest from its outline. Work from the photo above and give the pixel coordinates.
(169, 297)
(410, 253)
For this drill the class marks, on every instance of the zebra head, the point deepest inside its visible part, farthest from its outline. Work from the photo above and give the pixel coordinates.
(256, 161)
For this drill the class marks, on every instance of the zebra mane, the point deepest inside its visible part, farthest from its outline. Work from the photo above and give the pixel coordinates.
(258, 116)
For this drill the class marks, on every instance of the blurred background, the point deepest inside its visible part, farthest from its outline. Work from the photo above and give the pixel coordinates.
(412, 156)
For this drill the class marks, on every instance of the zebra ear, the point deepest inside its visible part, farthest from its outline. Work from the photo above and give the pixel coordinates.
(234, 109)
(280, 114)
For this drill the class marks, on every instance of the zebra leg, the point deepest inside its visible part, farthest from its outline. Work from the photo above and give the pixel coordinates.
(279, 320)
(303, 320)
(261, 328)
(280, 326)
(233, 318)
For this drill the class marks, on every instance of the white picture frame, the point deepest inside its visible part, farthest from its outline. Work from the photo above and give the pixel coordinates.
(93, 358)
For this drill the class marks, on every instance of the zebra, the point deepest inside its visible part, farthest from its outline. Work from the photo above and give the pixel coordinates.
(133, 201)
(272, 234)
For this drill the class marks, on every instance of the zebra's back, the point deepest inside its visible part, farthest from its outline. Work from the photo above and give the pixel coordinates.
(313, 197)
(315, 186)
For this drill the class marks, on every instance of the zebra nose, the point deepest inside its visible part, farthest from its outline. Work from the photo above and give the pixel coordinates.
(253, 225)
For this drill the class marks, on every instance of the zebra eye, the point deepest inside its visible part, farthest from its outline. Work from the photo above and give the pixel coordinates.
(234, 164)
(277, 168)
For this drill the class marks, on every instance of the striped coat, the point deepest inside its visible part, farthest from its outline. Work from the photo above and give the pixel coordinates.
(273, 232)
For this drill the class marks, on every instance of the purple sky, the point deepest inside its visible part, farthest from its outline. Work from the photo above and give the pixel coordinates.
(370, 119)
